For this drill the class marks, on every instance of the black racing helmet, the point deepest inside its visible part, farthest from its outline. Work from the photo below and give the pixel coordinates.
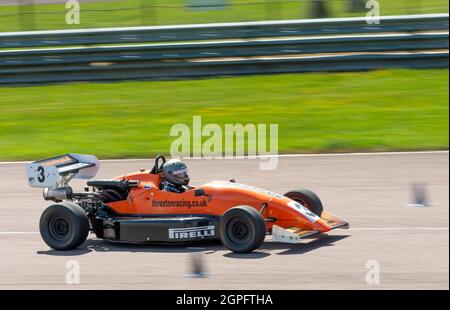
(176, 172)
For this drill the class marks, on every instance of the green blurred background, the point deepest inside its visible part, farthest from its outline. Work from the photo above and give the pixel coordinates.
(316, 112)
(383, 110)
(167, 12)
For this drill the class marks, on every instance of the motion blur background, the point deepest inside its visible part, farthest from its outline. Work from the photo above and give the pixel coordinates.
(34, 15)
(332, 86)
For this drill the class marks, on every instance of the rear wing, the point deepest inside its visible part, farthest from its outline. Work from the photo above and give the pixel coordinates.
(57, 171)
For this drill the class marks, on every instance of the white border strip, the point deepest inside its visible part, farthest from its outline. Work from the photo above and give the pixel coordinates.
(265, 156)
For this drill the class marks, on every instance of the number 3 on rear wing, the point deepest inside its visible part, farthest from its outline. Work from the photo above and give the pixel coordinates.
(52, 172)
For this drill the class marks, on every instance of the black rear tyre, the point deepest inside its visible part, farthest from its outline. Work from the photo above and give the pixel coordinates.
(242, 229)
(64, 226)
(308, 199)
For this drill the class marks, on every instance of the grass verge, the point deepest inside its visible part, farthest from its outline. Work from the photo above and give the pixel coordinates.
(318, 112)
(167, 12)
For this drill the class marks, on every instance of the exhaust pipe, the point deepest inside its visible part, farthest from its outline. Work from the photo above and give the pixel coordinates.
(57, 194)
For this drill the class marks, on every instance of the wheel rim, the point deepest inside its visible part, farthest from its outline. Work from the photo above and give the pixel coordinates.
(238, 230)
(59, 228)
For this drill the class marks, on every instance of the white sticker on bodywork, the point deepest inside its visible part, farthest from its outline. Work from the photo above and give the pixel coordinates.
(192, 232)
(304, 211)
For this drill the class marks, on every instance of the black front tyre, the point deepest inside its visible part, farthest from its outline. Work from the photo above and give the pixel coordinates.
(308, 199)
(64, 226)
(242, 229)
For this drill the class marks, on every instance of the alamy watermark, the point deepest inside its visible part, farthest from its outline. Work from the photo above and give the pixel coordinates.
(373, 274)
(73, 13)
(373, 14)
(72, 272)
(231, 141)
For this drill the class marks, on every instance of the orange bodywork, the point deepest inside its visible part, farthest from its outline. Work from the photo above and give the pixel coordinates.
(147, 199)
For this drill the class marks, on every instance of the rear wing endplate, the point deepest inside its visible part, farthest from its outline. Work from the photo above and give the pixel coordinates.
(52, 172)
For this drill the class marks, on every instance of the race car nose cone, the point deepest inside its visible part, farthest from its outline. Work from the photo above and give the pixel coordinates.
(322, 225)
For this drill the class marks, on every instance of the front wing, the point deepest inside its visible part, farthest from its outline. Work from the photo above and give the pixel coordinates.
(295, 234)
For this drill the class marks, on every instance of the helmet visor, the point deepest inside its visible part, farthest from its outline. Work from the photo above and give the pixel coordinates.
(181, 176)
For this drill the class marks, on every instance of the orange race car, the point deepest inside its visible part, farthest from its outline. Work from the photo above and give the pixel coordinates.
(134, 208)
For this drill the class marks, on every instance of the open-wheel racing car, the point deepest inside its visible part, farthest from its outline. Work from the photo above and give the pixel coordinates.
(134, 209)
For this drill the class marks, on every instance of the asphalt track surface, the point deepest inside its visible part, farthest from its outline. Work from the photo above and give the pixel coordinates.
(409, 244)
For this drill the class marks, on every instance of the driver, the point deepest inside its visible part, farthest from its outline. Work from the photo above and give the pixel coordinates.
(175, 176)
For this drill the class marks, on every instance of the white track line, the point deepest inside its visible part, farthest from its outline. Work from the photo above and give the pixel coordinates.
(323, 155)
(6, 233)
(265, 156)
(397, 228)
(17, 232)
